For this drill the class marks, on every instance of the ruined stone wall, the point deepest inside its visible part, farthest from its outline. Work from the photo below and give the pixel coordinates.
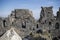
(47, 18)
(49, 22)
(23, 20)
(56, 30)
(25, 24)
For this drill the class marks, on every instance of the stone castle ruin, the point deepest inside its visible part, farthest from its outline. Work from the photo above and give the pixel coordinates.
(48, 25)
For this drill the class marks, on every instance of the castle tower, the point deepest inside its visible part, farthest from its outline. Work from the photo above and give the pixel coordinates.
(46, 17)
(46, 12)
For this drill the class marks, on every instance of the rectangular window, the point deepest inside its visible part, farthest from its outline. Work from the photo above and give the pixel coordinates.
(24, 25)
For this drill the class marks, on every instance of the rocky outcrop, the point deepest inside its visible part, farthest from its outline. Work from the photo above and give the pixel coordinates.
(11, 35)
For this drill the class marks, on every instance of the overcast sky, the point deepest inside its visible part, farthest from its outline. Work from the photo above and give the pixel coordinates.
(6, 6)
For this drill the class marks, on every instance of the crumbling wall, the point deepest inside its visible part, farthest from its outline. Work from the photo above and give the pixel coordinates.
(23, 20)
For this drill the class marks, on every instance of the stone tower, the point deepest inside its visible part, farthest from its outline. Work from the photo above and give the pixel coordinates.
(46, 17)
(46, 12)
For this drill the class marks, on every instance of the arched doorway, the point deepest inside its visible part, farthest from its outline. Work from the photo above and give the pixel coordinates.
(57, 26)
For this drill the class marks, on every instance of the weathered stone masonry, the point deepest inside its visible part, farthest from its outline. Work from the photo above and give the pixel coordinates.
(24, 22)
